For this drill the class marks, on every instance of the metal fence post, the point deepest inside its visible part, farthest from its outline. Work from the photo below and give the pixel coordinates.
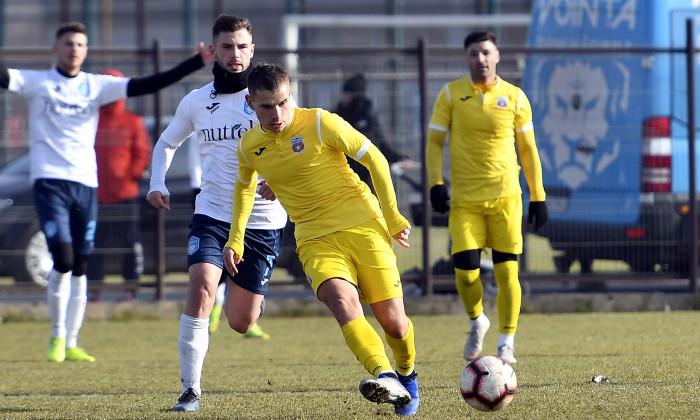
(690, 61)
(160, 213)
(427, 219)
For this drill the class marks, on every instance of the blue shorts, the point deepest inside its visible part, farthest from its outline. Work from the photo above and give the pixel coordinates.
(67, 212)
(208, 237)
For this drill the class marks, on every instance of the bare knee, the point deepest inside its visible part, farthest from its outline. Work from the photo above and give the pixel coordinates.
(396, 327)
(340, 304)
(392, 317)
(200, 293)
(240, 323)
(342, 299)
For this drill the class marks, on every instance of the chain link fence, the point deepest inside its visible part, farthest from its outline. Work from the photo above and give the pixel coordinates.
(394, 78)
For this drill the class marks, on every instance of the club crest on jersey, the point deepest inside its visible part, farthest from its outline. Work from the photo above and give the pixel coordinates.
(84, 89)
(298, 144)
(502, 102)
(193, 245)
(247, 109)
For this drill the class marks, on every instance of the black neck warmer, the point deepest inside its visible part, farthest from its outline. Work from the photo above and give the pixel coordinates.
(227, 82)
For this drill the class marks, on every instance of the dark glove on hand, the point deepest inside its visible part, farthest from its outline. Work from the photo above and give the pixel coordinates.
(538, 213)
(440, 198)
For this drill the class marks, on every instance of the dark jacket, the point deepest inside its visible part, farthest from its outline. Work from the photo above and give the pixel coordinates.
(359, 113)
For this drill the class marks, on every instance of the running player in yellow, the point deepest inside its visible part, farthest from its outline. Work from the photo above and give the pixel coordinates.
(485, 118)
(343, 236)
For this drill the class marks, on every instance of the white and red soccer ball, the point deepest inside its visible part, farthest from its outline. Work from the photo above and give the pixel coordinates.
(488, 383)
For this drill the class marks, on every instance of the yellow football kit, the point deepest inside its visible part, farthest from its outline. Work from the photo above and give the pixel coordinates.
(305, 166)
(484, 127)
(484, 124)
(340, 228)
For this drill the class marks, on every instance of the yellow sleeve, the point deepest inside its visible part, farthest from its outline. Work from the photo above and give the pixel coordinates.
(243, 200)
(378, 167)
(527, 148)
(433, 157)
(437, 133)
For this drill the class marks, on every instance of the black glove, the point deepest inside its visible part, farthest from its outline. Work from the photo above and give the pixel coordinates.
(440, 198)
(537, 213)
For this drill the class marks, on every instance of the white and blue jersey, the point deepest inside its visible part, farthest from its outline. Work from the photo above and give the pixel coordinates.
(216, 122)
(63, 115)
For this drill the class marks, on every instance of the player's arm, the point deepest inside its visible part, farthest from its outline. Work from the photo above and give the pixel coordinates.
(153, 83)
(339, 134)
(378, 167)
(530, 162)
(243, 200)
(437, 133)
(527, 149)
(179, 129)
(158, 194)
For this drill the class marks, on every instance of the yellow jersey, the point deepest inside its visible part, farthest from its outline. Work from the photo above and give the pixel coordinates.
(305, 167)
(483, 128)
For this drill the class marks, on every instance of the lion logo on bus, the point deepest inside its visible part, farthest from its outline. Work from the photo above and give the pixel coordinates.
(579, 102)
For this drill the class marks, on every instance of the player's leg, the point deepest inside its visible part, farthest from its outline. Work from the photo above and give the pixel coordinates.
(245, 301)
(95, 270)
(52, 204)
(219, 299)
(332, 276)
(240, 302)
(468, 230)
(505, 238)
(380, 286)
(57, 295)
(134, 259)
(205, 261)
(341, 297)
(243, 308)
(83, 220)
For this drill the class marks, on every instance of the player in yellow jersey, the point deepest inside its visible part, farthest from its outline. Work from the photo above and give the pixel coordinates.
(485, 117)
(343, 235)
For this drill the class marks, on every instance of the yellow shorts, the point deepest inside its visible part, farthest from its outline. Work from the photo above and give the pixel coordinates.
(362, 255)
(495, 223)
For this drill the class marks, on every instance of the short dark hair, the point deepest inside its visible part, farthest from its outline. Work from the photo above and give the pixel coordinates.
(266, 76)
(71, 27)
(479, 36)
(230, 23)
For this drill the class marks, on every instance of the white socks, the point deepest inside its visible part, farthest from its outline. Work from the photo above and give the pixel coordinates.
(479, 321)
(57, 294)
(76, 309)
(506, 340)
(192, 345)
(67, 299)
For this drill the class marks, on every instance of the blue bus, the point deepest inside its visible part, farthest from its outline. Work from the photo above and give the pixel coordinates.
(612, 129)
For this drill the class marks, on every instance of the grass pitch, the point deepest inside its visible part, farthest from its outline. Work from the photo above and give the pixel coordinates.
(305, 371)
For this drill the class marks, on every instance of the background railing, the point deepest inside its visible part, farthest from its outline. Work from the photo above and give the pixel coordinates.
(402, 83)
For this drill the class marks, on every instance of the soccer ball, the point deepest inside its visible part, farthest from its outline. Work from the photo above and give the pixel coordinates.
(488, 383)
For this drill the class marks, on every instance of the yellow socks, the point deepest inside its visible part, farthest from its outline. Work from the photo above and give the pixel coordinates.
(509, 295)
(404, 349)
(367, 346)
(471, 291)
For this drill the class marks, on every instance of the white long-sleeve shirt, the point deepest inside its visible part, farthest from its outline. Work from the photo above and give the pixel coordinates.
(63, 115)
(218, 121)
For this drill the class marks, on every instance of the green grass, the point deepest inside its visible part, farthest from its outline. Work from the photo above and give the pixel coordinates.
(305, 371)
